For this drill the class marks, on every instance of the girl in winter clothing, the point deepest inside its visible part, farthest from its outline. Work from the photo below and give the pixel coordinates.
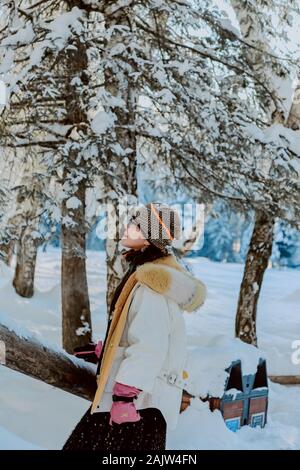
(140, 374)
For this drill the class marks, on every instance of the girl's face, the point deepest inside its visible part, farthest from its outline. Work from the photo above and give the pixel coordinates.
(133, 237)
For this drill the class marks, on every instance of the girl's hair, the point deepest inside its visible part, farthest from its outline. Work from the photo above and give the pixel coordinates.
(138, 257)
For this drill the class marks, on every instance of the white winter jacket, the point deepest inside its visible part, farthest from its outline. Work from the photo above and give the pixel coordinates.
(153, 348)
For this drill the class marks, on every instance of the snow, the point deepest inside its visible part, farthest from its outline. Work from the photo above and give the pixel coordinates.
(212, 356)
(165, 96)
(117, 49)
(230, 24)
(84, 329)
(278, 321)
(36, 415)
(9, 442)
(200, 429)
(23, 36)
(6, 63)
(102, 121)
(277, 134)
(62, 26)
(73, 203)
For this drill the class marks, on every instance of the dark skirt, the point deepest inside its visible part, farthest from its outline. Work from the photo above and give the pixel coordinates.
(93, 432)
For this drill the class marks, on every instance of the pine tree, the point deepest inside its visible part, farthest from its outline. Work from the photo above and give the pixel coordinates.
(45, 52)
(281, 112)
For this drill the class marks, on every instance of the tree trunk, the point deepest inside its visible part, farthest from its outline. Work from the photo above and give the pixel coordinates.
(30, 357)
(120, 85)
(27, 247)
(260, 250)
(76, 315)
(113, 262)
(24, 227)
(285, 379)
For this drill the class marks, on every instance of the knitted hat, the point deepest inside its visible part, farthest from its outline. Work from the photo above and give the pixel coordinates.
(159, 223)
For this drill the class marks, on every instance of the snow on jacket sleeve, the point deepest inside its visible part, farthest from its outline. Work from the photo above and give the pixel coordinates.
(148, 338)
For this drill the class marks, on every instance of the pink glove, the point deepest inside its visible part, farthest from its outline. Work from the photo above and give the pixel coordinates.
(98, 348)
(122, 411)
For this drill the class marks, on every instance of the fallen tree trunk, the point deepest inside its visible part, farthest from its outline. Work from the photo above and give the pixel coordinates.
(28, 356)
(285, 379)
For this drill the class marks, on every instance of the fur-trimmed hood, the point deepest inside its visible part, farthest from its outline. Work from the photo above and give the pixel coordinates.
(166, 276)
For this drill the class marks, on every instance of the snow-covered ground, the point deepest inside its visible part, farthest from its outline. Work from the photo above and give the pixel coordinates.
(34, 415)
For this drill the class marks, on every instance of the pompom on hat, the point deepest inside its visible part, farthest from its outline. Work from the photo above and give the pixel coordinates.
(159, 223)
